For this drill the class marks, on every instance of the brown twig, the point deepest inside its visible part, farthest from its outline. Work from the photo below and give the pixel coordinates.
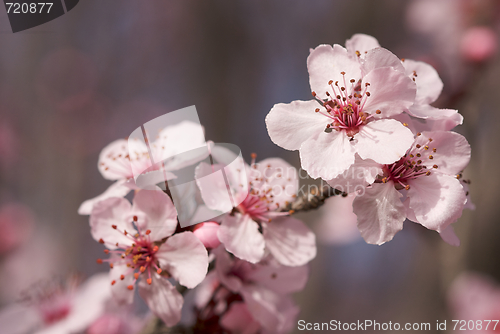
(313, 199)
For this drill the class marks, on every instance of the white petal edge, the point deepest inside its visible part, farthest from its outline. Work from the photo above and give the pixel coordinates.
(380, 213)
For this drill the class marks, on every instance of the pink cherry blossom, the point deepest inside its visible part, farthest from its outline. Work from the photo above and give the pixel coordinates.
(478, 44)
(422, 186)
(58, 307)
(354, 102)
(448, 234)
(429, 84)
(264, 289)
(134, 236)
(115, 324)
(257, 224)
(239, 320)
(122, 160)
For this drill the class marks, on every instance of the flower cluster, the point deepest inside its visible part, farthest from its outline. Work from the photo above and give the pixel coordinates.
(65, 306)
(370, 129)
(147, 248)
(370, 132)
(242, 297)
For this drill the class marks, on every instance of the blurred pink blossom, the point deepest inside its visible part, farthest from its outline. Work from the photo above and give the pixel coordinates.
(118, 321)
(478, 44)
(474, 296)
(264, 291)
(57, 307)
(337, 222)
(239, 320)
(16, 224)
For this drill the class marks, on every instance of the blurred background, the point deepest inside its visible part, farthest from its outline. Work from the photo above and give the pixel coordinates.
(71, 86)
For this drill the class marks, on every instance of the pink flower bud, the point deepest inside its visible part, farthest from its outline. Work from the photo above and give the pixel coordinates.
(478, 44)
(207, 233)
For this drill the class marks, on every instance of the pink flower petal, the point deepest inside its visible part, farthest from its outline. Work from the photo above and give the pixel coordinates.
(391, 92)
(113, 211)
(240, 235)
(119, 289)
(278, 278)
(114, 162)
(328, 155)
(88, 304)
(289, 125)
(19, 319)
(238, 320)
(449, 236)
(437, 200)
(361, 43)
(173, 141)
(276, 313)
(290, 241)
(429, 85)
(358, 176)
(384, 141)
(426, 111)
(326, 63)
(185, 258)
(381, 57)
(380, 213)
(452, 151)
(162, 299)
(224, 268)
(117, 189)
(417, 124)
(155, 212)
(206, 290)
(213, 187)
(439, 124)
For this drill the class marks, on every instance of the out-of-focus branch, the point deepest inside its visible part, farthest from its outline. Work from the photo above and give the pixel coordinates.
(313, 199)
(156, 326)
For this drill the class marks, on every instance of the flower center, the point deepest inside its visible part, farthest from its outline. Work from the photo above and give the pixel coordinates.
(260, 204)
(139, 257)
(344, 106)
(411, 166)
